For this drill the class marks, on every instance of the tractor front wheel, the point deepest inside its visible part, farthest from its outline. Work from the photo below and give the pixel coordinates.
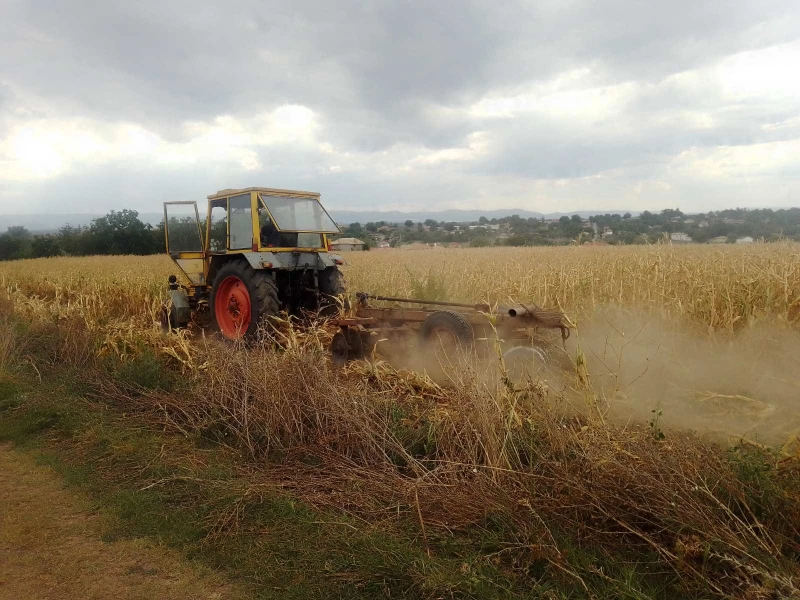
(242, 299)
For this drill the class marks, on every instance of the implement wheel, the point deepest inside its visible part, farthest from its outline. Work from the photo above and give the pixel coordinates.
(525, 362)
(447, 329)
(242, 299)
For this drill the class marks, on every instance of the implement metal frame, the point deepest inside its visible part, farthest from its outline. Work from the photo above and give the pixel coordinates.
(514, 324)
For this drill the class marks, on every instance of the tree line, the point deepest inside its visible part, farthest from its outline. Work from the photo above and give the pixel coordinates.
(118, 232)
(122, 232)
(647, 227)
(763, 223)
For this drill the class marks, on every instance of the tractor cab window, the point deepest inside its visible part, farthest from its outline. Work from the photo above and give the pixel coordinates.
(182, 227)
(309, 240)
(271, 237)
(299, 214)
(295, 222)
(240, 222)
(218, 228)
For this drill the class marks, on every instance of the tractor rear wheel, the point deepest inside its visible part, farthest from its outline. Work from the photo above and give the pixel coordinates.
(333, 292)
(242, 299)
(447, 329)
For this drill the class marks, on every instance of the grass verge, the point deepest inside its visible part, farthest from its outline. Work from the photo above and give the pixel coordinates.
(308, 482)
(203, 502)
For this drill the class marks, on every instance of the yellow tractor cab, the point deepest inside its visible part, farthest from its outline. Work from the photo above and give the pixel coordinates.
(257, 252)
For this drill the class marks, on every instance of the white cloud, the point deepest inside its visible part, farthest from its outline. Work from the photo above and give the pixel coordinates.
(46, 148)
(767, 73)
(42, 148)
(754, 161)
(477, 144)
(792, 123)
(566, 96)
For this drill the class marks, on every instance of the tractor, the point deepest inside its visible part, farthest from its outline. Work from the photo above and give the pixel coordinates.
(258, 252)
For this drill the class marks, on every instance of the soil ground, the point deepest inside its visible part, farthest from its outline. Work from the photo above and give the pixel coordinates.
(51, 546)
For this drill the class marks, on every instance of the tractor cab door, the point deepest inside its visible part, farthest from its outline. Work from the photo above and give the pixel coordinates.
(184, 239)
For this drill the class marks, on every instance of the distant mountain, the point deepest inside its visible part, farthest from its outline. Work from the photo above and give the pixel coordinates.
(52, 222)
(346, 217)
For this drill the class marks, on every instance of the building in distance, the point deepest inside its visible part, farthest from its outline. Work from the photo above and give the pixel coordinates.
(680, 237)
(347, 245)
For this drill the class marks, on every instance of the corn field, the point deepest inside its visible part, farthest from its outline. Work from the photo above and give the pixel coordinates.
(399, 447)
(717, 288)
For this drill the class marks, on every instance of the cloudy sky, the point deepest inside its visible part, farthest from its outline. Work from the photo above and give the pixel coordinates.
(551, 105)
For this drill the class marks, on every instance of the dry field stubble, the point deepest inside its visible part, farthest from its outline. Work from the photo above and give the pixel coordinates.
(717, 288)
(705, 335)
(658, 327)
(711, 287)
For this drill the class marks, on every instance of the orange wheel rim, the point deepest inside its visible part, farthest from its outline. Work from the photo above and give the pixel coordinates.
(232, 307)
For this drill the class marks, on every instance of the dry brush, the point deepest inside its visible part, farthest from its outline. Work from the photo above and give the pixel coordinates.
(562, 488)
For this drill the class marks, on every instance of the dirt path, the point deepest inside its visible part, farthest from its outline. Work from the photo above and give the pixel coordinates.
(51, 547)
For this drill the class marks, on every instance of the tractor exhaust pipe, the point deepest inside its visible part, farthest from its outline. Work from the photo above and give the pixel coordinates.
(518, 311)
(550, 318)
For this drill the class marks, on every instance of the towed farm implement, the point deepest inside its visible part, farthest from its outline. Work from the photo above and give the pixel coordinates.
(262, 252)
(446, 325)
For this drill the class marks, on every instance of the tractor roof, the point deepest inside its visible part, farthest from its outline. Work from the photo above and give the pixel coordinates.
(273, 191)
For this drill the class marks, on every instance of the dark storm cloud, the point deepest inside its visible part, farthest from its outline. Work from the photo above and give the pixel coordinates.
(383, 74)
(156, 61)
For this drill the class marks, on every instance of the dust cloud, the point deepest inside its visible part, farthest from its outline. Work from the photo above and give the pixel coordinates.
(726, 386)
(723, 386)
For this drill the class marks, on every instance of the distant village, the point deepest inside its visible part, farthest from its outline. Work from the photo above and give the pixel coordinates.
(124, 232)
(734, 226)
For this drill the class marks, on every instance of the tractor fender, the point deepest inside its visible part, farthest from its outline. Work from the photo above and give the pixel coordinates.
(259, 260)
(329, 260)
